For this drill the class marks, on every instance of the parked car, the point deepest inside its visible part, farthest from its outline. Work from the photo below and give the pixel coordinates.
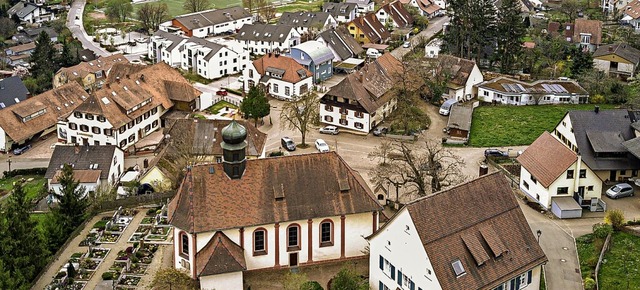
(333, 130)
(495, 153)
(288, 144)
(322, 146)
(221, 92)
(379, 131)
(620, 190)
(406, 44)
(445, 108)
(21, 150)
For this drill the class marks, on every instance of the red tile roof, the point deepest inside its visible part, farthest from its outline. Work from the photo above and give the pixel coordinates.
(547, 158)
(220, 255)
(290, 66)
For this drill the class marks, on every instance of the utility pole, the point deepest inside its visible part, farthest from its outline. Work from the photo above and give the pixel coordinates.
(9, 162)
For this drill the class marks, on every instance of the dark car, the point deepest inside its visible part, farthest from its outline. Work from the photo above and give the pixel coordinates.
(495, 153)
(21, 150)
(379, 131)
(221, 92)
(288, 144)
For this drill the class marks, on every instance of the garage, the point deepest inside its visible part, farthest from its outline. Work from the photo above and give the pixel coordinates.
(565, 207)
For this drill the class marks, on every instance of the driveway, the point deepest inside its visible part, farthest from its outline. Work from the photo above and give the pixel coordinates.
(435, 25)
(77, 29)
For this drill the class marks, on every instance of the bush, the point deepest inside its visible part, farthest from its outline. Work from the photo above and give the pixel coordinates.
(615, 218)
(29, 171)
(601, 231)
(108, 276)
(598, 99)
(634, 222)
(589, 284)
(276, 153)
(592, 262)
(598, 244)
(311, 285)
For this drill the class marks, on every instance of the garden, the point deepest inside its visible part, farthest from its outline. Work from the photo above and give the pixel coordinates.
(33, 185)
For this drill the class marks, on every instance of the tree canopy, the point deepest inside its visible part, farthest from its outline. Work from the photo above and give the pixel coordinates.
(255, 104)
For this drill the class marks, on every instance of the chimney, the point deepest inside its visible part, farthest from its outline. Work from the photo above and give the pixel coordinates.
(596, 109)
(142, 77)
(484, 169)
(118, 79)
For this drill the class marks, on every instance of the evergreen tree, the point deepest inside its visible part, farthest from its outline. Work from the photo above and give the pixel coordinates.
(510, 31)
(66, 58)
(22, 253)
(255, 104)
(71, 200)
(581, 61)
(44, 62)
(473, 27)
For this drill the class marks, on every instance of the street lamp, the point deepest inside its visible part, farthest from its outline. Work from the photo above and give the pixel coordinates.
(9, 162)
(539, 233)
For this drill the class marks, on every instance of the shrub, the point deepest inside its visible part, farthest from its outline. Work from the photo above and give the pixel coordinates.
(276, 153)
(598, 99)
(60, 275)
(601, 231)
(615, 218)
(135, 244)
(592, 261)
(634, 222)
(589, 284)
(29, 171)
(311, 285)
(107, 276)
(134, 260)
(598, 244)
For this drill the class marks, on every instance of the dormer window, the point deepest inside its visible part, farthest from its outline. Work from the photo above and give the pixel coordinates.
(458, 269)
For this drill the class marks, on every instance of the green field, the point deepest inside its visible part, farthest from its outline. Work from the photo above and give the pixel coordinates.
(620, 271)
(175, 6)
(32, 187)
(497, 126)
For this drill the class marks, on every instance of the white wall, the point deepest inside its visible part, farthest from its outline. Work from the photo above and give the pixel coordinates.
(488, 95)
(3, 141)
(177, 258)
(431, 51)
(403, 249)
(474, 78)
(566, 129)
(603, 65)
(351, 119)
(222, 281)
(117, 167)
(88, 186)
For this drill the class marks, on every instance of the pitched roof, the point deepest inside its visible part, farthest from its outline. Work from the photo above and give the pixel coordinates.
(220, 255)
(311, 185)
(34, 32)
(82, 176)
(459, 68)
(12, 91)
(372, 28)
(82, 158)
(41, 111)
(451, 228)
(293, 71)
(547, 159)
(26, 10)
(593, 27)
(617, 122)
(360, 3)
(102, 64)
(428, 6)
(339, 9)
(121, 70)
(512, 86)
(304, 19)
(460, 117)
(214, 47)
(23, 47)
(264, 32)
(398, 13)
(566, 29)
(632, 9)
(622, 50)
(317, 51)
(212, 17)
(341, 42)
(172, 40)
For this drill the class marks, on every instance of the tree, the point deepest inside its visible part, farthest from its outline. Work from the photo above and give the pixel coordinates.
(381, 152)
(23, 253)
(570, 8)
(311, 285)
(419, 21)
(472, 28)
(420, 169)
(174, 279)
(348, 279)
(44, 63)
(72, 201)
(71, 271)
(151, 15)
(119, 10)
(294, 281)
(66, 59)
(581, 61)
(300, 113)
(510, 31)
(7, 27)
(255, 104)
(192, 6)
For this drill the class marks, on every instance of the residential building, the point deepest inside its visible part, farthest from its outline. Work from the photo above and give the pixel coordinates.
(614, 6)
(514, 92)
(427, 8)
(363, 99)
(459, 238)
(31, 13)
(90, 74)
(342, 12)
(315, 57)
(281, 76)
(368, 29)
(271, 213)
(362, 6)
(432, 49)
(619, 60)
(31, 34)
(19, 54)
(394, 15)
(93, 166)
(127, 110)
(606, 140)
(12, 91)
(341, 43)
(37, 116)
(265, 38)
(464, 76)
(211, 60)
(630, 12)
(166, 47)
(209, 22)
(556, 177)
(308, 22)
(586, 34)
(200, 138)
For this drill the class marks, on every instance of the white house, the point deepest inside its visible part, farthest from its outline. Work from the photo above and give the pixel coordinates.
(342, 12)
(264, 214)
(432, 49)
(394, 14)
(304, 22)
(362, 100)
(484, 244)
(628, 9)
(264, 38)
(209, 22)
(30, 12)
(281, 76)
(92, 165)
(165, 47)
(363, 6)
(464, 73)
(556, 177)
(427, 8)
(514, 92)
(211, 60)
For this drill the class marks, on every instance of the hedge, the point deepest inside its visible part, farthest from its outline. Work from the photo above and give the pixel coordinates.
(28, 171)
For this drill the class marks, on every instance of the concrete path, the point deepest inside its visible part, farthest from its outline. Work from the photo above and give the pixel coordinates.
(77, 29)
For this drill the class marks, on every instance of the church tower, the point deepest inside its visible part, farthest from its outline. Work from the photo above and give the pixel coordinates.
(233, 145)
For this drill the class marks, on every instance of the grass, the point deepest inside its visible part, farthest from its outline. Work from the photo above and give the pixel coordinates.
(193, 77)
(620, 263)
(220, 105)
(496, 126)
(32, 188)
(299, 5)
(175, 6)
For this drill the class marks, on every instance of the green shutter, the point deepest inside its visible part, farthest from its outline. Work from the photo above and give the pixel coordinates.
(529, 277)
(381, 263)
(380, 285)
(399, 277)
(393, 272)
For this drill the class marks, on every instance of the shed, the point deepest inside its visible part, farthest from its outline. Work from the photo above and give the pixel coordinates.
(565, 207)
(459, 124)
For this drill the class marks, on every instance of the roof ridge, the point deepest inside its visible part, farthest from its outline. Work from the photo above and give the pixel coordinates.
(451, 188)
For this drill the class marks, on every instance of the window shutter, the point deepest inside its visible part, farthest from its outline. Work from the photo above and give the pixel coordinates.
(412, 286)
(529, 277)
(393, 272)
(381, 263)
(512, 284)
(399, 277)
(380, 285)
(517, 283)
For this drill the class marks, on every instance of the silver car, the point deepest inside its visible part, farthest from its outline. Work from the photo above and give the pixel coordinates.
(620, 190)
(333, 130)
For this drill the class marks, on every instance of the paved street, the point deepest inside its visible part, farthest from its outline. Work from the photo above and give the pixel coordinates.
(77, 30)
(435, 25)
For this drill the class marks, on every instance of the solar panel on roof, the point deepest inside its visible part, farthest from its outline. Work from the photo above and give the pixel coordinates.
(520, 88)
(506, 87)
(561, 88)
(547, 88)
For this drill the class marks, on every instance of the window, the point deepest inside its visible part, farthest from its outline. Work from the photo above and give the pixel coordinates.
(458, 269)
(88, 116)
(73, 126)
(326, 233)
(84, 128)
(569, 174)
(77, 114)
(154, 124)
(146, 115)
(623, 172)
(293, 237)
(525, 184)
(260, 242)
(130, 125)
(287, 91)
(359, 114)
(583, 173)
(184, 244)
(73, 139)
(563, 190)
(138, 120)
(108, 132)
(328, 108)
(358, 125)
(535, 181)
(344, 111)
(122, 129)
(123, 143)
(147, 128)
(132, 138)
(250, 73)
(275, 88)
(344, 122)
(590, 188)
(95, 130)
(101, 119)
(328, 119)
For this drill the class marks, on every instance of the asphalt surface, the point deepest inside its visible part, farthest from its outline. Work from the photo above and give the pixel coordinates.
(77, 29)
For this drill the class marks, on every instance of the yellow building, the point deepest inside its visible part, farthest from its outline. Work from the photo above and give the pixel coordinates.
(89, 74)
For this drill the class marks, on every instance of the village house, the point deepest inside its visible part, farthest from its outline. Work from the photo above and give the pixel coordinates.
(514, 92)
(464, 76)
(211, 60)
(459, 123)
(443, 241)
(31, 34)
(166, 47)
(91, 74)
(93, 166)
(585, 33)
(209, 22)
(555, 176)
(362, 6)
(619, 59)
(368, 29)
(37, 116)
(432, 49)
(281, 76)
(315, 57)
(265, 38)
(614, 6)
(630, 11)
(12, 91)
(341, 43)
(308, 22)
(394, 15)
(427, 8)
(342, 12)
(19, 54)
(363, 99)
(31, 13)
(271, 213)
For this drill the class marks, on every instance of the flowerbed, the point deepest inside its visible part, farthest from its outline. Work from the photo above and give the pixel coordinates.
(89, 264)
(147, 221)
(137, 269)
(98, 253)
(130, 280)
(135, 238)
(89, 240)
(142, 229)
(109, 238)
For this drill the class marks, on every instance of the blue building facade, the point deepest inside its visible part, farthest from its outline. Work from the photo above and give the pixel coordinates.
(315, 57)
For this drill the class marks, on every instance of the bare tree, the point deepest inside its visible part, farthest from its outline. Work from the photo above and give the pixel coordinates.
(250, 5)
(381, 152)
(196, 5)
(151, 15)
(184, 147)
(420, 169)
(300, 113)
(570, 8)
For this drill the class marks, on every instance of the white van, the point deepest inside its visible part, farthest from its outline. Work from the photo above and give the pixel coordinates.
(445, 109)
(373, 53)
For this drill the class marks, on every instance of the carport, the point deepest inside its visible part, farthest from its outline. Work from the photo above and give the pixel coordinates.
(565, 207)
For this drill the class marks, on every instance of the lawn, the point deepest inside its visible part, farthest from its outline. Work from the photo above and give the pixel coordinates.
(220, 105)
(620, 271)
(175, 6)
(32, 188)
(299, 5)
(497, 126)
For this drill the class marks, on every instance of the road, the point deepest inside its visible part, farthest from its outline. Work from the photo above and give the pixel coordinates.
(435, 25)
(77, 29)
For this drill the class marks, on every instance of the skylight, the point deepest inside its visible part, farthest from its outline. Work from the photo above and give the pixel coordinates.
(105, 100)
(458, 268)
